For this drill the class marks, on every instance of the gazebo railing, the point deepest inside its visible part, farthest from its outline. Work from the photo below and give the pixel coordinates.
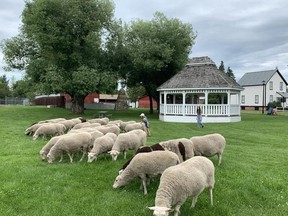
(207, 110)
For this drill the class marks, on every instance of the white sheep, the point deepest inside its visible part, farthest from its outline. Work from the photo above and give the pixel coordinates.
(134, 126)
(108, 128)
(150, 164)
(123, 124)
(183, 147)
(72, 143)
(69, 124)
(101, 145)
(46, 148)
(102, 121)
(55, 120)
(209, 145)
(177, 183)
(31, 130)
(80, 125)
(50, 129)
(128, 141)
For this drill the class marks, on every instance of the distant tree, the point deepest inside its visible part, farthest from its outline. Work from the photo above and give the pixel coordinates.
(136, 92)
(23, 88)
(157, 50)
(230, 73)
(64, 46)
(4, 87)
(222, 67)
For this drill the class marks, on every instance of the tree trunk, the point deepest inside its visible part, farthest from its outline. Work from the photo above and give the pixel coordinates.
(151, 104)
(78, 104)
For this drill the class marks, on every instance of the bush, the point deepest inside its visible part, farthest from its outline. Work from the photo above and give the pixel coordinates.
(274, 104)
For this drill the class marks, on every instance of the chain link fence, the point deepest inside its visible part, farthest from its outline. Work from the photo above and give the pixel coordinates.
(14, 101)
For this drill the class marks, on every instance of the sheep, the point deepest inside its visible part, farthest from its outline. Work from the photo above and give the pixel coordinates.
(179, 182)
(102, 121)
(128, 141)
(133, 126)
(111, 128)
(101, 145)
(147, 164)
(80, 125)
(72, 143)
(31, 130)
(55, 120)
(46, 148)
(124, 124)
(69, 124)
(155, 147)
(183, 147)
(209, 145)
(49, 129)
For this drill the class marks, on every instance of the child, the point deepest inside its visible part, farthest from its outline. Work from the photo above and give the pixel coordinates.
(146, 124)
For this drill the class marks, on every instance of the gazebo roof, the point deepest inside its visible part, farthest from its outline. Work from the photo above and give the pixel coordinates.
(200, 72)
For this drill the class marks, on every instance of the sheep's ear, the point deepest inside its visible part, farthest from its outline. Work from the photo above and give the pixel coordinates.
(151, 208)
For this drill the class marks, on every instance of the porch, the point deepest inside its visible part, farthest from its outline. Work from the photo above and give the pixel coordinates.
(210, 113)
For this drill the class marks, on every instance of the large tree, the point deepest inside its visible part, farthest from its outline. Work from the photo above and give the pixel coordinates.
(157, 50)
(63, 46)
(4, 86)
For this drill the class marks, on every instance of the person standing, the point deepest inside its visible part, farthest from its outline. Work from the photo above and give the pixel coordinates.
(199, 117)
(144, 119)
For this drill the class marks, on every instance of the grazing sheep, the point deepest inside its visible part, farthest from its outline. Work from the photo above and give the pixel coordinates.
(209, 145)
(46, 148)
(124, 124)
(101, 145)
(81, 125)
(179, 182)
(55, 120)
(182, 147)
(144, 149)
(78, 142)
(134, 126)
(69, 124)
(106, 129)
(51, 129)
(102, 121)
(128, 141)
(32, 129)
(149, 164)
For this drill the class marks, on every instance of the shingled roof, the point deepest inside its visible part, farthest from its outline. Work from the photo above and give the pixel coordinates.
(257, 78)
(200, 72)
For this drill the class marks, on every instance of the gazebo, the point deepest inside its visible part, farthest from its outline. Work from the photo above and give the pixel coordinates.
(202, 84)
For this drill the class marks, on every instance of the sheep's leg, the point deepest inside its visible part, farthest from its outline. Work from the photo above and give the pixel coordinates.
(144, 185)
(124, 155)
(211, 196)
(177, 209)
(83, 155)
(194, 200)
(71, 157)
(219, 158)
(61, 159)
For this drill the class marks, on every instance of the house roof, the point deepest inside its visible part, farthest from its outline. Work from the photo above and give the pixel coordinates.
(200, 72)
(258, 78)
(283, 94)
(108, 97)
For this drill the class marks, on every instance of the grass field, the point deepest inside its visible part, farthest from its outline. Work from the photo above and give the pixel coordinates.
(252, 179)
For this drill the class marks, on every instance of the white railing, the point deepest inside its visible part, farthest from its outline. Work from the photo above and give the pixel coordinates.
(209, 110)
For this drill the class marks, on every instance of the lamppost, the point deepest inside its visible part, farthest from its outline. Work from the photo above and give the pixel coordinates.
(264, 97)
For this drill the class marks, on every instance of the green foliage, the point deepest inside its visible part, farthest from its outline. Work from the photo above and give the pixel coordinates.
(274, 104)
(4, 87)
(157, 50)
(229, 71)
(136, 92)
(247, 183)
(23, 88)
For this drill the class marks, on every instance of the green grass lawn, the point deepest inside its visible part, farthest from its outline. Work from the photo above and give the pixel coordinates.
(252, 179)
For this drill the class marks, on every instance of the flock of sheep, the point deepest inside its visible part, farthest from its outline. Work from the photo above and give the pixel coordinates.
(185, 171)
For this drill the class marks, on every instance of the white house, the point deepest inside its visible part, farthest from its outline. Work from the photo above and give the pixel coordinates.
(262, 87)
(200, 83)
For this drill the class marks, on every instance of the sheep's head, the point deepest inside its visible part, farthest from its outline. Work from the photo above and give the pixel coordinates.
(160, 211)
(51, 158)
(42, 155)
(114, 154)
(119, 182)
(91, 157)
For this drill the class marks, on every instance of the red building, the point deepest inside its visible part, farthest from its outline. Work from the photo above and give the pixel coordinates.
(144, 102)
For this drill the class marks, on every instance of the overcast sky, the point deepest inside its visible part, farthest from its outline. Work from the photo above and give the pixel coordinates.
(250, 35)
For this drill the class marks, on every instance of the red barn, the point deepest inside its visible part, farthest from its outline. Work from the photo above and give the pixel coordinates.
(144, 102)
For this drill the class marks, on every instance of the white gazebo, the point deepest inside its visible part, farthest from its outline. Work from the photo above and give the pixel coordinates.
(200, 83)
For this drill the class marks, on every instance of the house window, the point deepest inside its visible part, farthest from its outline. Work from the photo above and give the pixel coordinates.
(243, 99)
(271, 85)
(271, 98)
(256, 99)
(281, 86)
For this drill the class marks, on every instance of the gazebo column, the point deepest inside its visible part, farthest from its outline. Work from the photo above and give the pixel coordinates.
(229, 101)
(206, 102)
(165, 103)
(183, 103)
